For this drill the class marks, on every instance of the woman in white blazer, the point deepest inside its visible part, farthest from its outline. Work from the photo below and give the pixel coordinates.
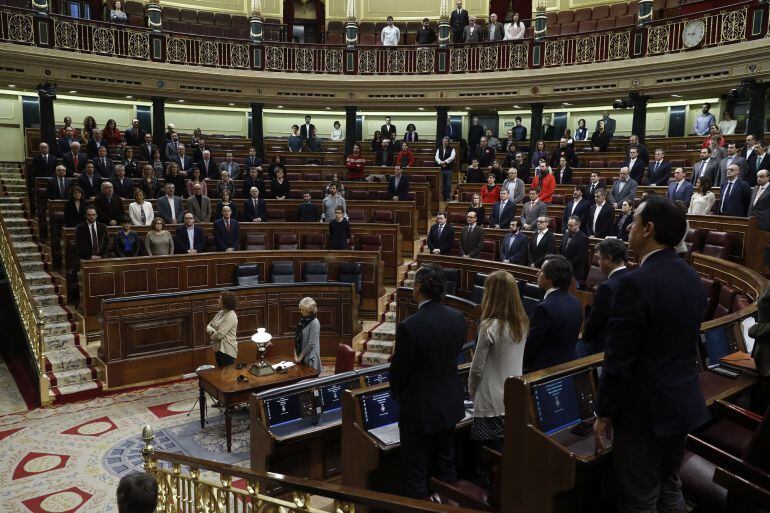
(499, 354)
(307, 338)
(222, 330)
(139, 211)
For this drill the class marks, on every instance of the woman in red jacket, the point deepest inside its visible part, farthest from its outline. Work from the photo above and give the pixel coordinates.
(544, 182)
(405, 157)
(355, 164)
(490, 193)
(111, 133)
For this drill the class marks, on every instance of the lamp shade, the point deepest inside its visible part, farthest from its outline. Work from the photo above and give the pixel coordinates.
(261, 336)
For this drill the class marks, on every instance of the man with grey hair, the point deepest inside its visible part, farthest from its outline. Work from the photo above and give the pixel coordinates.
(124, 187)
(759, 206)
(74, 160)
(472, 32)
(623, 188)
(543, 242)
(109, 207)
(199, 205)
(514, 185)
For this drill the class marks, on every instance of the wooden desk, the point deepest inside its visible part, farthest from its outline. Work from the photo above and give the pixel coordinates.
(223, 385)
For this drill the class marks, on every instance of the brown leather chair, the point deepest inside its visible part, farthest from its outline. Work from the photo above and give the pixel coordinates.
(255, 241)
(369, 242)
(565, 17)
(740, 302)
(569, 29)
(346, 359)
(582, 15)
(594, 164)
(457, 219)
(718, 244)
(356, 215)
(600, 12)
(695, 239)
(286, 241)
(725, 302)
(618, 10)
(276, 214)
(587, 26)
(358, 195)
(711, 289)
(488, 250)
(383, 216)
(313, 241)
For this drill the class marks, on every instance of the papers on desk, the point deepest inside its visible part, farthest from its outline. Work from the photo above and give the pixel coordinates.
(746, 324)
(387, 434)
(282, 366)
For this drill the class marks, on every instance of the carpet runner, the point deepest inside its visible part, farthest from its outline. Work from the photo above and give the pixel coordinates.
(67, 364)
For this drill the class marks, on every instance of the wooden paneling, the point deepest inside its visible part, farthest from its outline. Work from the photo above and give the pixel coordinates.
(164, 273)
(163, 336)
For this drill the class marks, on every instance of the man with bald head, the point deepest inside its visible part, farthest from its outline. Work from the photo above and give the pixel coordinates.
(109, 206)
(735, 194)
(74, 160)
(44, 164)
(759, 206)
(680, 189)
(624, 188)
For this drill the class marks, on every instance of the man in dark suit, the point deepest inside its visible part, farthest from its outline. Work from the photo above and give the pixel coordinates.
(65, 141)
(44, 164)
(706, 166)
(109, 207)
(91, 237)
(609, 124)
(543, 242)
(134, 136)
(612, 262)
(623, 189)
(388, 130)
(659, 171)
(189, 238)
(95, 143)
(59, 185)
(172, 146)
(555, 321)
(75, 161)
(306, 129)
(441, 236)
(226, 232)
(458, 21)
(502, 211)
(424, 381)
(207, 166)
(252, 160)
(102, 163)
(398, 185)
(735, 195)
(471, 237)
(254, 209)
(425, 34)
(760, 159)
(579, 206)
(89, 181)
(566, 151)
(649, 391)
(732, 157)
(515, 246)
(595, 182)
(122, 185)
(574, 247)
(680, 189)
(759, 205)
(601, 217)
(147, 148)
(641, 149)
(635, 165)
(184, 161)
(384, 154)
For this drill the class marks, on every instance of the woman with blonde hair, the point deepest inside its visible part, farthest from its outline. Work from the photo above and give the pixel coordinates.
(499, 354)
(307, 338)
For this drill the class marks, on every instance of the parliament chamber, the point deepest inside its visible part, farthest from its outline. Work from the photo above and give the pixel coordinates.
(277, 154)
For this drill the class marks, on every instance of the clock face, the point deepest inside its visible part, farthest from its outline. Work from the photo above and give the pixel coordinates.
(693, 33)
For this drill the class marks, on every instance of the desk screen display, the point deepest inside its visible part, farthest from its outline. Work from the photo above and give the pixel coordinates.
(290, 408)
(563, 402)
(331, 395)
(717, 345)
(378, 409)
(376, 379)
(464, 375)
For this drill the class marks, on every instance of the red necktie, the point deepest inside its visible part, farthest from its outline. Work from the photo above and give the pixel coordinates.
(227, 226)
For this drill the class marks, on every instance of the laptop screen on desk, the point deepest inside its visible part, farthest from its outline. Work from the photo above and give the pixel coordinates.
(378, 409)
(331, 395)
(376, 379)
(464, 374)
(717, 345)
(563, 402)
(290, 408)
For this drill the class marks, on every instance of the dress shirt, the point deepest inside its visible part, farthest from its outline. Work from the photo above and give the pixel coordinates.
(540, 236)
(596, 214)
(574, 206)
(703, 122)
(759, 193)
(631, 163)
(615, 270)
(547, 292)
(191, 237)
(648, 255)
(678, 184)
(491, 32)
(172, 206)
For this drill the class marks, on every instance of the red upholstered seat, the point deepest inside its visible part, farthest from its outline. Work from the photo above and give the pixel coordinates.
(695, 238)
(587, 26)
(313, 177)
(617, 10)
(633, 7)
(255, 241)
(418, 178)
(605, 24)
(293, 177)
(358, 195)
(600, 12)
(211, 244)
(551, 18)
(740, 302)
(240, 22)
(582, 15)
(356, 216)
(725, 303)
(188, 15)
(222, 19)
(565, 17)
(711, 290)
(457, 218)
(313, 241)
(615, 163)
(205, 17)
(557, 199)
(625, 21)
(286, 241)
(719, 244)
(369, 242)
(596, 164)
(488, 250)
(170, 13)
(346, 358)
(569, 28)
(382, 216)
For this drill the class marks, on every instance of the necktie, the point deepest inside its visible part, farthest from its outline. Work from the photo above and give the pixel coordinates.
(227, 226)
(61, 187)
(144, 216)
(75, 160)
(510, 243)
(255, 205)
(104, 163)
(677, 187)
(569, 239)
(94, 240)
(727, 195)
(45, 159)
(759, 193)
(656, 166)
(441, 227)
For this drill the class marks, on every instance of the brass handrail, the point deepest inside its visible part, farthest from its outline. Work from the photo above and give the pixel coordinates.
(182, 491)
(31, 318)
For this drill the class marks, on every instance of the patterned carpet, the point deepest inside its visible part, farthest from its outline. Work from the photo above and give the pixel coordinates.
(69, 458)
(11, 400)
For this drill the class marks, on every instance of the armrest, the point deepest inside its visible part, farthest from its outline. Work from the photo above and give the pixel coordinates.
(728, 462)
(464, 493)
(741, 416)
(743, 489)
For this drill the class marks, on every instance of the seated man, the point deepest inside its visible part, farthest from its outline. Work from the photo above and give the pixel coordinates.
(398, 185)
(59, 185)
(189, 238)
(226, 232)
(612, 262)
(555, 321)
(515, 246)
(574, 247)
(170, 206)
(441, 236)
(254, 207)
(109, 206)
(307, 211)
(91, 237)
(502, 211)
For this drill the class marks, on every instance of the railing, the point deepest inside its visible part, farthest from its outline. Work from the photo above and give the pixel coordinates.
(31, 319)
(182, 488)
(742, 21)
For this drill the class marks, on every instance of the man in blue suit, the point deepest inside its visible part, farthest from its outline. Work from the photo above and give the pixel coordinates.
(515, 246)
(189, 238)
(555, 322)
(649, 390)
(659, 171)
(680, 189)
(226, 232)
(612, 262)
(502, 211)
(579, 206)
(424, 381)
(735, 194)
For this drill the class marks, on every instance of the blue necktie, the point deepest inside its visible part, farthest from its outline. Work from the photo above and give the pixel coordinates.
(727, 195)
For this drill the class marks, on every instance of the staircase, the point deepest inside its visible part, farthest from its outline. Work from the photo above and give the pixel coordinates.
(67, 364)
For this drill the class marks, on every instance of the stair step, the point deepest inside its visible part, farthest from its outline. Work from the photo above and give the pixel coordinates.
(369, 358)
(54, 313)
(57, 342)
(380, 346)
(57, 328)
(66, 359)
(385, 331)
(37, 278)
(77, 388)
(43, 289)
(389, 316)
(47, 299)
(392, 306)
(408, 283)
(31, 265)
(72, 377)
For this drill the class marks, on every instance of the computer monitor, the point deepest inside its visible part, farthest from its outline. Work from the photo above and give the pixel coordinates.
(464, 375)
(376, 379)
(378, 409)
(289, 408)
(717, 344)
(563, 402)
(331, 395)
